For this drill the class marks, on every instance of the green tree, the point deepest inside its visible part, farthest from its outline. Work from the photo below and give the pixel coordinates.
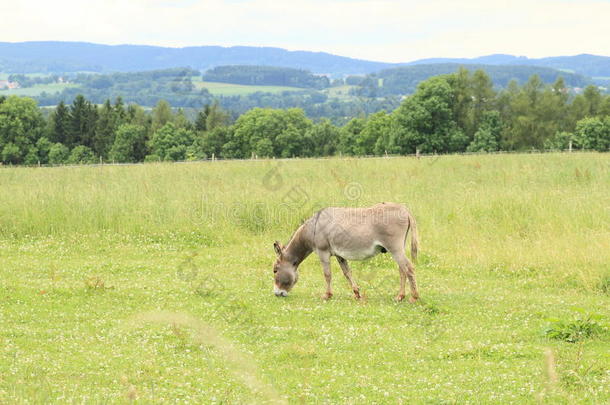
(289, 143)
(285, 129)
(593, 133)
(11, 153)
(426, 120)
(21, 124)
(107, 124)
(560, 141)
(593, 100)
(60, 124)
(216, 117)
(32, 156)
(136, 115)
(58, 154)
(119, 110)
(210, 143)
(129, 144)
(323, 138)
(348, 135)
(201, 118)
(83, 120)
(170, 142)
(161, 115)
(483, 99)
(487, 137)
(81, 155)
(43, 146)
(529, 116)
(376, 126)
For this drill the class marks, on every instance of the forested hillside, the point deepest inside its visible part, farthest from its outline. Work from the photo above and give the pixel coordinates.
(266, 75)
(404, 80)
(62, 57)
(587, 65)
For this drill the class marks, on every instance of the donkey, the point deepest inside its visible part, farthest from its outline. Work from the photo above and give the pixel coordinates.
(349, 234)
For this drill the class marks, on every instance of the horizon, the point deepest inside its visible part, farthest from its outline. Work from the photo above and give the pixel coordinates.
(302, 50)
(393, 31)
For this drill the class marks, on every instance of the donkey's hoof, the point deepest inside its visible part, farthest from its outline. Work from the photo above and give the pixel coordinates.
(413, 300)
(327, 296)
(357, 294)
(400, 297)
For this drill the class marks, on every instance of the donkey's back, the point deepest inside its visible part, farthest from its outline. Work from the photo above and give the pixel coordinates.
(359, 233)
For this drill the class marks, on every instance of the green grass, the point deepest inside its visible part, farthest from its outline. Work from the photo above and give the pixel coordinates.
(153, 282)
(229, 89)
(37, 90)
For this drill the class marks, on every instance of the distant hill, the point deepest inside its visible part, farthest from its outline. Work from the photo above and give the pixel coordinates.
(63, 57)
(588, 65)
(404, 80)
(266, 76)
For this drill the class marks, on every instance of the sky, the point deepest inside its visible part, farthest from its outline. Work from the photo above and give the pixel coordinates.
(381, 30)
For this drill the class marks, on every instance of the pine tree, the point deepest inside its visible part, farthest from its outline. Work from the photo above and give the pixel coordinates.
(60, 124)
(83, 118)
(105, 131)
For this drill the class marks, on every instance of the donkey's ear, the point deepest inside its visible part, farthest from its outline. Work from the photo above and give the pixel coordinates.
(278, 248)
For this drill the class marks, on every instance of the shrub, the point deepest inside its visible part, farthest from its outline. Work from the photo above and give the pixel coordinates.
(81, 155)
(584, 326)
(58, 154)
(129, 144)
(11, 153)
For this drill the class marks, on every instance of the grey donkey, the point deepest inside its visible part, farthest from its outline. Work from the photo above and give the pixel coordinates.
(349, 234)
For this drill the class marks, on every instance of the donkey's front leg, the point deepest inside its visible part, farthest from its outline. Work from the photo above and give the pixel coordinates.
(348, 274)
(325, 261)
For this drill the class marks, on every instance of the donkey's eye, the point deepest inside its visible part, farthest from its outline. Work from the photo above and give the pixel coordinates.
(274, 271)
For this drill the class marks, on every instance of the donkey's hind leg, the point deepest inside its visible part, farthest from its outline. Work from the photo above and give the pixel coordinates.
(348, 275)
(407, 271)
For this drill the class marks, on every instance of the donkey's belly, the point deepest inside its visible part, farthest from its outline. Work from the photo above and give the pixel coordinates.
(358, 253)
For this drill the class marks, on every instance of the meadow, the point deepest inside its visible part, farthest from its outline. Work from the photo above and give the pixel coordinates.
(37, 90)
(230, 89)
(153, 283)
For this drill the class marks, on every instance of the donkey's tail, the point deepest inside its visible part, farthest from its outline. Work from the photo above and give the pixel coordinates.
(414, 237)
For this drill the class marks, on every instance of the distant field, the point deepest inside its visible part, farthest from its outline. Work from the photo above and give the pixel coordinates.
(4, 76)
(230, 89)
(37, 90)
(153, 283)
(340, 92)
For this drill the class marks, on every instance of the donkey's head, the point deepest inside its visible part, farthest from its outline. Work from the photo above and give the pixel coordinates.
(285, 274)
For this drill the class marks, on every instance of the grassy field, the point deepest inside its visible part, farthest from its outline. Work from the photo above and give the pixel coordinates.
(340, 92)
(230, 89)
(153, 283)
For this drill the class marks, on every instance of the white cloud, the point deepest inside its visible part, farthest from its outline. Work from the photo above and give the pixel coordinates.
(390, 30)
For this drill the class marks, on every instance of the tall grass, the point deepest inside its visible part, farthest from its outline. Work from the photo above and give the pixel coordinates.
(542, 211)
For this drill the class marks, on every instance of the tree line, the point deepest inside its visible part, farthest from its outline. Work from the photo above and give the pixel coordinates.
(449, 113)
(267, 76)
(177, 87)
(404, 79)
